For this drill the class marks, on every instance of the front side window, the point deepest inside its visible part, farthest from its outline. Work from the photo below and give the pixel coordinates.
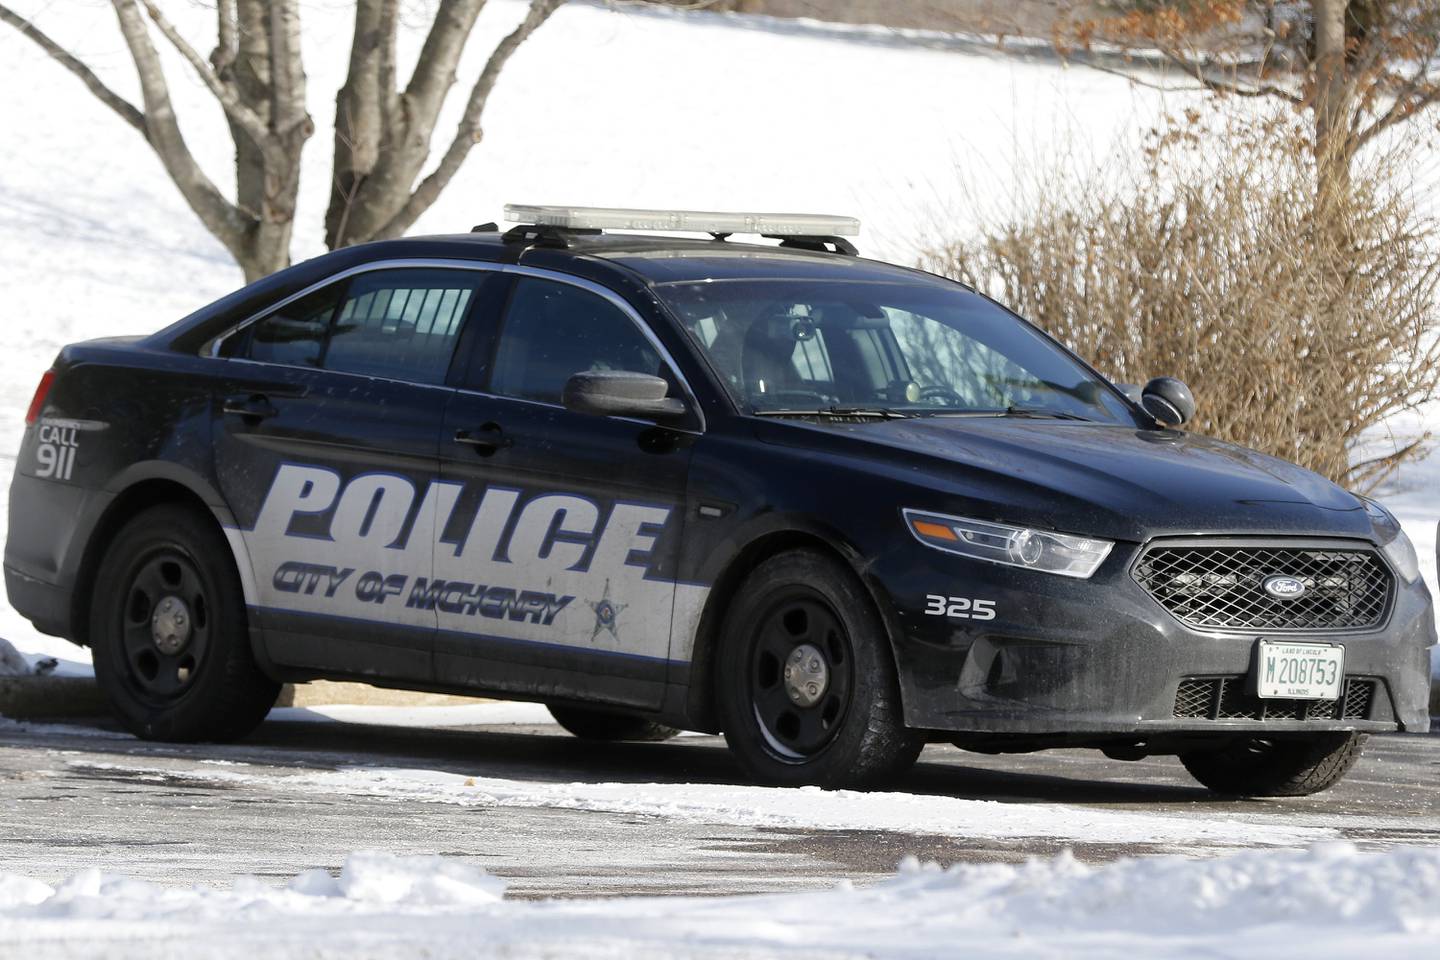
(553, 331)
(910, 348)
(396, 324)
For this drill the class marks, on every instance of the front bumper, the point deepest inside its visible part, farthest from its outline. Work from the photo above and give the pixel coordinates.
(1101, 657)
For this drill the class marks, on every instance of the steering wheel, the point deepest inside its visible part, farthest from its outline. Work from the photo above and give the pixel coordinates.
(946, 394)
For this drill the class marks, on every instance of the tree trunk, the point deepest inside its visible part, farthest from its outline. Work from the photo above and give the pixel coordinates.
(375, 193)
(364, 109)
(376, 180)
(1332, 100)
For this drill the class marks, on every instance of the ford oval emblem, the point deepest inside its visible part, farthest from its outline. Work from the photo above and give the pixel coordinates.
(1284, 588)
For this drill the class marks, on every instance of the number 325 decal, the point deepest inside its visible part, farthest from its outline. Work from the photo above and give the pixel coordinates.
(962, 608)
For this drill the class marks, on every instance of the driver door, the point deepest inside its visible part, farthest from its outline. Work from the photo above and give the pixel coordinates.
(560, 570)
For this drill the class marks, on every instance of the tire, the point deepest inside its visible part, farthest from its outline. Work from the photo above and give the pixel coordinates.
(806, 610)
(602, 725)
(1255, 767)
(169, 634)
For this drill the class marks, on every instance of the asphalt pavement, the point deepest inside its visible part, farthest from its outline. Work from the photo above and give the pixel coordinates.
(80, 796)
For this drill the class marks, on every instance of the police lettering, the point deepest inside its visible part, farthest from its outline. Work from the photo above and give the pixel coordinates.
(296, 577)
(553, 532)
(497, 603)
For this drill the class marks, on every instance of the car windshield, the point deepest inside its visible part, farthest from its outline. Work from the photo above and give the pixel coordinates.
(847, 347)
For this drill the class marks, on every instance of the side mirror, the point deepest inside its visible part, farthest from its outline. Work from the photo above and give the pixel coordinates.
(620, 393)
(1168, 400)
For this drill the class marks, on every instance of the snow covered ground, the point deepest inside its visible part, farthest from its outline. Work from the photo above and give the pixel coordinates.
(809, 808)
(1328, 901)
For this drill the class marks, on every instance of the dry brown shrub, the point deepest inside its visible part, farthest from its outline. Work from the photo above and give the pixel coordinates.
(1298, 324)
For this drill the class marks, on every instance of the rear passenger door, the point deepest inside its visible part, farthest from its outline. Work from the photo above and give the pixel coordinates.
(559, 572)
(326, 448)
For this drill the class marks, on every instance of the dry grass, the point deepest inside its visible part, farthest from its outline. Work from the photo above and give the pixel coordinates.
(1299, 325)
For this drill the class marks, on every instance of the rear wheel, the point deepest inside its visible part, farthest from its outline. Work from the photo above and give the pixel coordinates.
(807, 690)
(1261, 767)
(590, 724)
(169, 634)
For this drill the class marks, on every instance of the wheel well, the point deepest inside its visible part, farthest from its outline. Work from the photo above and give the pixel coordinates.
(701, 697)
(131, 501)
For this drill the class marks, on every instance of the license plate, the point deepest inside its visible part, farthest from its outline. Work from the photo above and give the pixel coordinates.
(1299, 671)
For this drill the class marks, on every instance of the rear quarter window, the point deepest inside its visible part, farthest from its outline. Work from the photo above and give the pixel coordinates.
(400, 324)
(293, 334)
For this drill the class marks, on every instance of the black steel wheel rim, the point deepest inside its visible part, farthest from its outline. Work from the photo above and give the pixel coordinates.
(796, 731)
(166, 624)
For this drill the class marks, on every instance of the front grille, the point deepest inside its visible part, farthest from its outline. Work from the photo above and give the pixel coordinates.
(1227, 698)
(1224, 587)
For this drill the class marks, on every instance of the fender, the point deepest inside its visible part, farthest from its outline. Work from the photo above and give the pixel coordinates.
(134, 487)
(691, 698)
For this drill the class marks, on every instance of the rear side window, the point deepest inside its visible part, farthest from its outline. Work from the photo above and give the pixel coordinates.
(553, 331)
(401, 324)
(293, 335)
(396, 324)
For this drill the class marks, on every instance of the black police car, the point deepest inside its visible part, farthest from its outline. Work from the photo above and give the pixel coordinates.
(831, 507)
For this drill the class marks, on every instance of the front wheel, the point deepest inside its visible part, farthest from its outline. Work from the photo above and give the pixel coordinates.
(1262, 767)
(806, 685)
(168, 632)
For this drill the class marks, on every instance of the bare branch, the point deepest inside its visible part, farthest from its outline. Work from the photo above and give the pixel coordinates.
(245, 118)
(1205, 75)
(468, 132)
(220, 216)
(127, 111)
(287, 70)
(435, 70)
(1417, 93)
(1399, 110)
(228, 31)
(1135, 78)
(389, 18)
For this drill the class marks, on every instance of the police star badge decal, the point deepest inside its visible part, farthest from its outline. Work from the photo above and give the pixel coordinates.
(606, 612)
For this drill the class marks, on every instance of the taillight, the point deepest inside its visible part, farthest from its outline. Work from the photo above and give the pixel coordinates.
(37, 402)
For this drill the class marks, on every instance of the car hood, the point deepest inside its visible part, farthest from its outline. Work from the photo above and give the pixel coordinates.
(1106, 480)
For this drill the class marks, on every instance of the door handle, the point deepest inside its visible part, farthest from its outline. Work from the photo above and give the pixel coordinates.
(486, 439)
(254, 406)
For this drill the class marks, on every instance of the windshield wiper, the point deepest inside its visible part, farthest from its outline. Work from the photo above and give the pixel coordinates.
(1040, 413)
(884, 413)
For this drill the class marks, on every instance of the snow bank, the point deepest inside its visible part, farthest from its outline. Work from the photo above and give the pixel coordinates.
(810, 808)
(1328, 901)
(502, 713)
(368, 882)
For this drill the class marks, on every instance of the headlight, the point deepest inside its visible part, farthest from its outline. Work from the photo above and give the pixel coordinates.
(1401, 554)
(1013, 546)
(1393, 542)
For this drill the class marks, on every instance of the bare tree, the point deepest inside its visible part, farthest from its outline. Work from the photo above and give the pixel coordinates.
(1358, 67)
(383, 134)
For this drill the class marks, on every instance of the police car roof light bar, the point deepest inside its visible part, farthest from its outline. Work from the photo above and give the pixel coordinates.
(689, 221)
